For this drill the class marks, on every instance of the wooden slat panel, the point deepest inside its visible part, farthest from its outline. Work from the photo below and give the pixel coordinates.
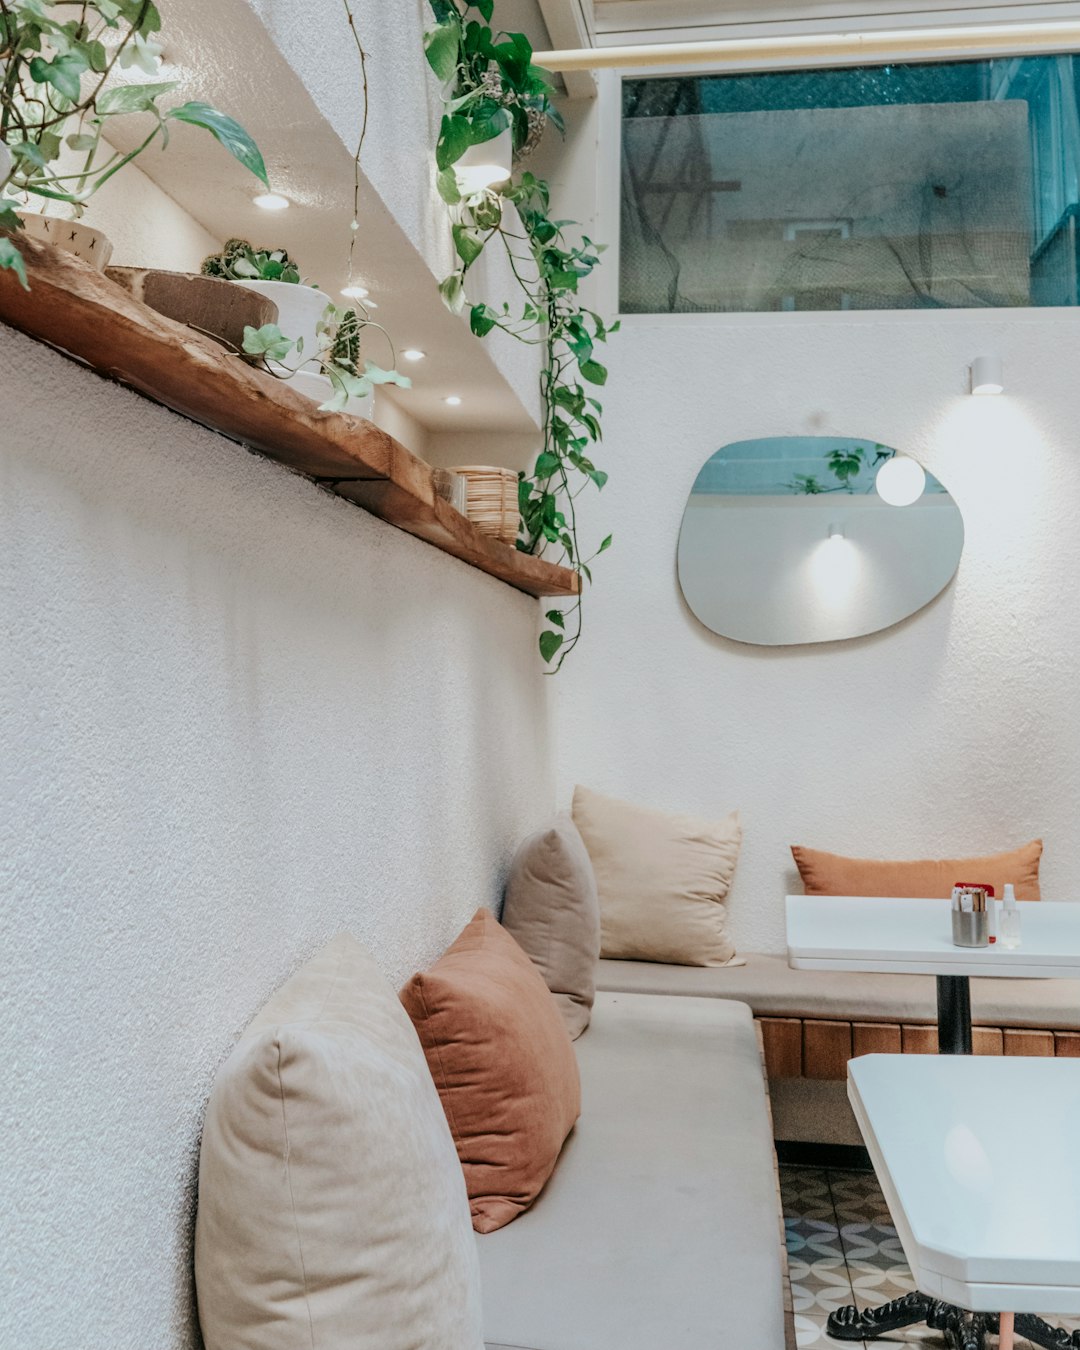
(986, 1040)
(875, 1038)
(782, 1038)
(1067, 1043)
(80, 312)
(826, 1049)
(919, 1040)
(1021, 1041)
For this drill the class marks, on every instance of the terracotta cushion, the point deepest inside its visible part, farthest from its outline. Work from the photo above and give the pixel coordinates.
(662, 880)
(552, 910)
(928, 879)
(503, 1063)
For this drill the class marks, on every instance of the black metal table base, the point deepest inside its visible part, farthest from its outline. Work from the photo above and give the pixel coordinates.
(963, 1330)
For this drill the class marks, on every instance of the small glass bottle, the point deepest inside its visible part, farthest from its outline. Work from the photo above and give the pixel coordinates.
(1009, 924)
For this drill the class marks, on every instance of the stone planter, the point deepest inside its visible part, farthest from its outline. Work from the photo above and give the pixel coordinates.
(217, 308)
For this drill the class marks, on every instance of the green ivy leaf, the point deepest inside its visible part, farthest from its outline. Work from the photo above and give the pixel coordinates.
(442, 46)
(486, 8)
(468, 243)
(64, 73)
(130, 98)
(447, 185)
(481, 320)
(599, 477)
(556, 617)
(594, 372)
(550, 642)
(546, 465)
(226, 132)
(455, 137)
(11, 258)
(452, 291)
(268, 341)
(377, 375)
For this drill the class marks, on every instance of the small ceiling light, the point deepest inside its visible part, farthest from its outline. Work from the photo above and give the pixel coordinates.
(487, 165)
(900, 481)
(271, 201)
(453, 401)
(413, 354)
(987, 376)
(355, 292)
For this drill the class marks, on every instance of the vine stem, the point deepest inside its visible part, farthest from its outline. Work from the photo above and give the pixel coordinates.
(354, 228)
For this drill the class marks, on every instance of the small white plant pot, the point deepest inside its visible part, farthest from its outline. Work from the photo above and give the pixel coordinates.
(487, 165)
(299, 310)
(72, 236)
(319, 389)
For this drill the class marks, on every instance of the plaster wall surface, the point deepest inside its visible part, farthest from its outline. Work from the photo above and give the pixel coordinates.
(239, 715)
(953, 733)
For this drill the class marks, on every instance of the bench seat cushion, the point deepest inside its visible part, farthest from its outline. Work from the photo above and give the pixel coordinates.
(659, 1226)
(772, 989)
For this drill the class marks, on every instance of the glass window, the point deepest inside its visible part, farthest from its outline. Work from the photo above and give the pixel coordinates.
(933, 186)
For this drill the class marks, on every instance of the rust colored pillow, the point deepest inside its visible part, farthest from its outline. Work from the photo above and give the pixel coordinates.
(503, 1063)
(930, 879)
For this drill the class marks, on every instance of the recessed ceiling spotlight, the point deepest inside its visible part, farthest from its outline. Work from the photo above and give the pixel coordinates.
(271, 201)
(413, 354)
(355, 292)
(453, 401)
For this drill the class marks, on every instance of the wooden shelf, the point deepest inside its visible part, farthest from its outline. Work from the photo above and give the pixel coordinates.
(85, 315)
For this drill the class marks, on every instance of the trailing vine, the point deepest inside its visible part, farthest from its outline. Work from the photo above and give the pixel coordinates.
(490, 84)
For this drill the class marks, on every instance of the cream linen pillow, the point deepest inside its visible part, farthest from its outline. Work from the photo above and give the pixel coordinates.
(332, 1207)
(662, 880)
(551, 909)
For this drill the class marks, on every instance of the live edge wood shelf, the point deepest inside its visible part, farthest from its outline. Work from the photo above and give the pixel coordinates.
(85, 315)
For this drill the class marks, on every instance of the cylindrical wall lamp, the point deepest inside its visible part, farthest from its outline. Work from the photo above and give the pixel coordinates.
(987, 375)
(487, 165)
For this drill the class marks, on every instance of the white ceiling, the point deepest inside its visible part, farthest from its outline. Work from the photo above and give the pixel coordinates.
(632, 21)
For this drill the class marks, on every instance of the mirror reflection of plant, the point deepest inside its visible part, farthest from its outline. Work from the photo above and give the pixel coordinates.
(845, 464)
(339, 355)
(491, 84)
(241, 261)
(57, 92)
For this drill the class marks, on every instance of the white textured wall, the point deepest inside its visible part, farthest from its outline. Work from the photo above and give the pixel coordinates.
(956, 731)
(239, 715)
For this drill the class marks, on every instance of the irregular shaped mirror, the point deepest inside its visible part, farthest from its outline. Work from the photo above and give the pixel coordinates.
(799, 539)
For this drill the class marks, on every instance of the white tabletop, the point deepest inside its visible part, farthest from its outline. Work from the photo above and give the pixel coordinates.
(979, 1163)
(914, 937)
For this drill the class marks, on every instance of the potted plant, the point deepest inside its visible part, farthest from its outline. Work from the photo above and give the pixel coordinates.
(59, 97)
(337, 376)
(271, 272)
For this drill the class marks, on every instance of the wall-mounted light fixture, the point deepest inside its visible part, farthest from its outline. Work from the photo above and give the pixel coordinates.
(987, 375)
(900, 481)
(836, 531)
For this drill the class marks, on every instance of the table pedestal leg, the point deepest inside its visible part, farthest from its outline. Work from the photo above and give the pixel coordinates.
(954, 1015)
(1005, 1334)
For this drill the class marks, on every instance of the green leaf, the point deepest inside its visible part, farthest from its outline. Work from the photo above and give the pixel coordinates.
(468, 243)
(594, 372)
(452, 291)
(447, 184)
(546, 465)
(227, 132)
(268, 341)
(377, 375)
(550, 642)
(599, 477)
(556, 617)
(442, 46)
(130, 98)
(80, 143)
(11, 258)
(455, 137)
(486, 8)
(481, 320)
(605, 545)
(63, 73)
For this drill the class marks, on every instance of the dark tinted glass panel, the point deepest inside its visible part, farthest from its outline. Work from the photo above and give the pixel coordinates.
(934, 186)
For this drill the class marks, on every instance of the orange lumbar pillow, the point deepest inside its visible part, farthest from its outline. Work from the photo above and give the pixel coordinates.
(928, 878)
(503, 1063)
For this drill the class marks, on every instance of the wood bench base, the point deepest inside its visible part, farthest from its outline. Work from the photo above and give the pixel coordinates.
(806, 1047)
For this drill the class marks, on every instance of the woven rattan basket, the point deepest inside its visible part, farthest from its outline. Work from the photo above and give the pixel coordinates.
(491, 499)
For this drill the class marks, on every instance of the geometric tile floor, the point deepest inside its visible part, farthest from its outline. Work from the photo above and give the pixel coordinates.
(842, 1248)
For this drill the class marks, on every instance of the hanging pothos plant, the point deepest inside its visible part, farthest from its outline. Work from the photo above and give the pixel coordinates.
(490, 84)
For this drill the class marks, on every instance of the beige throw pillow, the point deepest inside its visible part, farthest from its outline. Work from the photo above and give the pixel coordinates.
(662, 880)
(551, 908)
(332, 1207)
